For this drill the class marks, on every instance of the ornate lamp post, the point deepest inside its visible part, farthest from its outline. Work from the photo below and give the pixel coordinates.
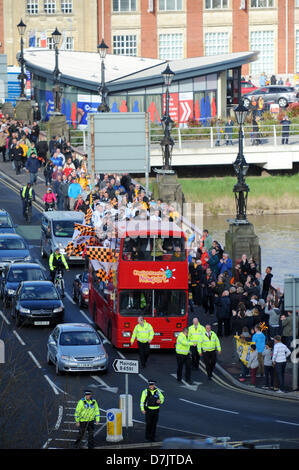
(103, 90)
(22, 76)
(241, 189)
(56, 35)
(167, 142)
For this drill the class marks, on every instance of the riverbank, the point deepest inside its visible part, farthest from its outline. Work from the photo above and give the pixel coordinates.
(268, 194)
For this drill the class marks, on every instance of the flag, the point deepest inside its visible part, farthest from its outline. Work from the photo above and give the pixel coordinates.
(43, 39)
(32, 40)
(63, 44)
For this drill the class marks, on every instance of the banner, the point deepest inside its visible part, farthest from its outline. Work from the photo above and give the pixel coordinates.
(43, 39)
(243, 349)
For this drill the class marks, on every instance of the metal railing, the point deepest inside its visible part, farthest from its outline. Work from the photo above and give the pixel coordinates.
(210, 137)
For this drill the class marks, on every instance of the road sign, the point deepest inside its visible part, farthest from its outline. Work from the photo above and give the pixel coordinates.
(125, 366)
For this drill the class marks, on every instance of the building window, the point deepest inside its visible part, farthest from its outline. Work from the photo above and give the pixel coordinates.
(125, 45)
(170, 5)
(50, 7)
(297, 4)
(214, 4)
(124, 5)
(262, 41)
(171, 46)
(32, 7)
(297, 49)
(50, 43)
(67, 6)
(216, 43)
(69, 43)
(262, 3)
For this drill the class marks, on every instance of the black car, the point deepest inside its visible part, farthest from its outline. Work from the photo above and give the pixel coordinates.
(81, 289)
(13, 247)
(37, 303)
(6, 224)
(15, 273)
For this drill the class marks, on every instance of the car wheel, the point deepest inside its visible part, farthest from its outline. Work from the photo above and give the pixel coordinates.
(80, 300)
(42, 251)
(57, 370)
(49, 361)
(18, 321)
(283, 102)
(246, 102)
(74, 295)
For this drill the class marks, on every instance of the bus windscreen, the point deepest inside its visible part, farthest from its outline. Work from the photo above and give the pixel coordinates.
(154, 249)
(158, 303)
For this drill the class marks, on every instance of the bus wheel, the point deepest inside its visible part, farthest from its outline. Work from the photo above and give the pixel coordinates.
(109, 332)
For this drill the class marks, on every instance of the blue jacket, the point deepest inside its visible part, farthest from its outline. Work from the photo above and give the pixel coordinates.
(226, 266)
(32, 165)
(57, 161)
(260, 340)
(223, 307)
(74, 190)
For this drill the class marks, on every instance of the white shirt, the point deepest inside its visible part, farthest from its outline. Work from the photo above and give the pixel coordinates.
(280, 352)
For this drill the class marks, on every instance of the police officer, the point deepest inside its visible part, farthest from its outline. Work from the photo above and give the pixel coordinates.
(144, 333)
(27, 193)
(150, 401)
(207, 347)
(182, 349)
(194, 333)
(56, 260)
(87, 414)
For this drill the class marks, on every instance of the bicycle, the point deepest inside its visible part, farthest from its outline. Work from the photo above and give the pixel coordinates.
(28, 211)
(59, 281)
(49, 206)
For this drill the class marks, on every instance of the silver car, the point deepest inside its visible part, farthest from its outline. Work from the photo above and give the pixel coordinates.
(281, 94)
(76, 347)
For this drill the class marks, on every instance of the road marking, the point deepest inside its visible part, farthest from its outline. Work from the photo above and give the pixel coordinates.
(70, 298)
(34, 359)
(86, 316)
(210, 407)
(4, 318)
(46, 443)
(59, 419)
(52, 385)
(106, 387)
(188, 386)
(175, 429)
(100, 429)
(19, 338)
(287, 422)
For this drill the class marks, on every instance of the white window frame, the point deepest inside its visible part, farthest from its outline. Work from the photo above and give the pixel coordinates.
(265, 46)
(32, 7)
(164, 5)
(210, 4)
(66, 6)
(50, 7)
(50, 43)
(132, 6)
(169, 43)
(216, 43)
(262, 4)
(69, 43)
(297, 4)
(125, 44)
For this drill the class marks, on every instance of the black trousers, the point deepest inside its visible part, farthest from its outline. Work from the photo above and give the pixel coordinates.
(89, 427)
(208, 304)
(225, 322)
(144, 350)
(209, 358)
(182, 360)
(151, 420)
(194, 356)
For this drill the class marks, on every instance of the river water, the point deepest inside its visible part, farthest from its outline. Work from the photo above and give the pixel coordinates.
(278, 238)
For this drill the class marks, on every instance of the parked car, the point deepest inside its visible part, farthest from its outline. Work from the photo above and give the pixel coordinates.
(247, 87)
(37, 303)
(15, 273)
(13, 247)
(283, 95)
(81, 289)
(6, 223)
(76, 347)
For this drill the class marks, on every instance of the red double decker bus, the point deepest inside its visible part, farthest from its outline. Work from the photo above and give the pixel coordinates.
(149, 279)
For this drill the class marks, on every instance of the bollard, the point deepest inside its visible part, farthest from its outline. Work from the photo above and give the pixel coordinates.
(122, 405)
(114, 425)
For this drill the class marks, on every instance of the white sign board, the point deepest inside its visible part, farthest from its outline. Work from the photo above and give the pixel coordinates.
(126, 366)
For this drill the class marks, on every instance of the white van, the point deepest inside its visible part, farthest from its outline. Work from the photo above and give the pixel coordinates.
(57, 230)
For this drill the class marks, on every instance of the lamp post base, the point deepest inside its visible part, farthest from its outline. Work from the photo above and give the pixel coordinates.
(241, 239)
(167, 188)
(57, 125)
(23, 110)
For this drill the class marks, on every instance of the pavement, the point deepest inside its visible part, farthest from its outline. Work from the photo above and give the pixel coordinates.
(226, 366)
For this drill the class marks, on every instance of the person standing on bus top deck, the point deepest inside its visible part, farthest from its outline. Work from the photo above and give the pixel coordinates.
(144, 333)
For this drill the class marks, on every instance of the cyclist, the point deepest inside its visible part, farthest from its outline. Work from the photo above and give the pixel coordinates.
(49, 199)
(27, 194)
(57, 262)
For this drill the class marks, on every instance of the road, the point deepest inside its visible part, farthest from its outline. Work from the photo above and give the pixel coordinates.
(38, 407)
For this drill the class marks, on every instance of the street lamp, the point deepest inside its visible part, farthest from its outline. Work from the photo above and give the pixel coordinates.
(103, 90)
(241, 189)
(56, 36)
(167, 142)
(22, 76)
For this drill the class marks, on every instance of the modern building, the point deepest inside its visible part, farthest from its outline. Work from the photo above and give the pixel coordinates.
(198, 91)
(177, 29)
(75, 19)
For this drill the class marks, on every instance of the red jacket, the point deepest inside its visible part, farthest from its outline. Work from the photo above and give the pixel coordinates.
(49, 198)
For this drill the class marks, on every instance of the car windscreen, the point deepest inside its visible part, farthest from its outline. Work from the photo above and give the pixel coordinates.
(5, 222)
(64, 228)
(157, 303)
(39, 293)
(85, 277)
(12, 244)
(79, 338)
(25, 274)
(154, 248)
